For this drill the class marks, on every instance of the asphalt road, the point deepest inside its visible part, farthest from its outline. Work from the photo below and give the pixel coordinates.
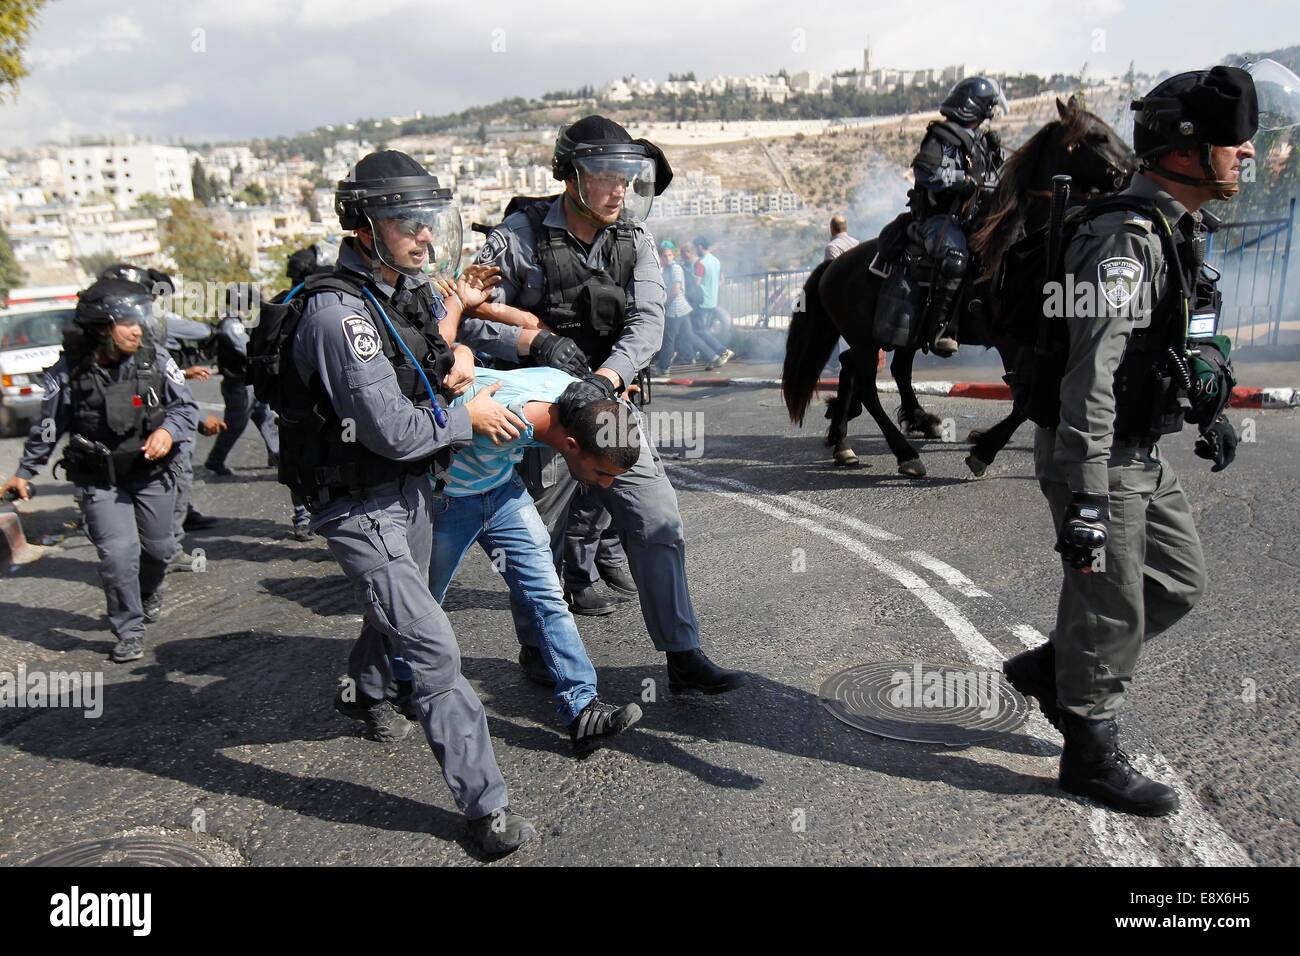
(226, 725)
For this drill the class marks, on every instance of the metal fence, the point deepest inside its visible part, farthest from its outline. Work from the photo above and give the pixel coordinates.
(762, 300)
(1253, 258)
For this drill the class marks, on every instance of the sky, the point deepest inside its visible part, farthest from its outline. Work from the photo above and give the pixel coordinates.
(223, 70)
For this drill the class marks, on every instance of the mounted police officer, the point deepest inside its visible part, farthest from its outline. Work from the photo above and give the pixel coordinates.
(363, 428)
(125, 405)
(1143, 356)
(583, 265)
(955, 171)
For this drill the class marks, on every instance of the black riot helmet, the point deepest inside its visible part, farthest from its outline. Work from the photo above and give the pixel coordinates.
(113, 301)
(1196, 111)
(390, 185)
(596, 148)
(318, 257)
(153, 281)
(973, 100)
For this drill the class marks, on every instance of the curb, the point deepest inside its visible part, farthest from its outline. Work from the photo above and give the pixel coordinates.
(1241, 397)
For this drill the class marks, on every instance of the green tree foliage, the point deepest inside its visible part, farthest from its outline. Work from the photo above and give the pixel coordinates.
(17, 22)
(253, 194)
(204, 188)
(201, 253)
(11, 273)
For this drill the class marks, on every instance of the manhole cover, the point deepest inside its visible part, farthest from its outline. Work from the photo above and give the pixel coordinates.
(924, 702)
(126, 851)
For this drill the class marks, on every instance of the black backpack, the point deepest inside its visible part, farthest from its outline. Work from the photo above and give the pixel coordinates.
(1042, 342)
(691, 286)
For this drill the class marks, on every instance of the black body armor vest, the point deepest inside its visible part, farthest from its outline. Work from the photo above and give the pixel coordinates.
(119, 415)
(231, 363)
(588, 305)
(316, 451)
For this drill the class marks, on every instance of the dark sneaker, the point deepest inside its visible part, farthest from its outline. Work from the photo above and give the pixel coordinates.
(619, 579)
(501, 832)
(301, 532)
(1093, 765)
(530, 659)
(598, 720)
(195, 521)
(382, 721)
(182, 560)
(127, 649)
(218, 469)
(691, 670)
(272, 460)
(590, 602)
(152, 606)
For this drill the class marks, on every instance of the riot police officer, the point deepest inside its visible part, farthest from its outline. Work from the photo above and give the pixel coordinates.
(237, 394)
(584, 265)
(361, 427)
(955, 171)
(125, 405)
(1143, 359)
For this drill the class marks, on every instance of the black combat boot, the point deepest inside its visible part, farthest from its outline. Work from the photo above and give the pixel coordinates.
(691, 670)
(1033, 673)
(530, 659)
(383, 722)
(619, 579)
(590, 602)
(599, 720)
(501, 831)
(1093, 765)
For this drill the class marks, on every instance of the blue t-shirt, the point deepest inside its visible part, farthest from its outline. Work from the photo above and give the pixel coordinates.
(709, 280)
(481, 466)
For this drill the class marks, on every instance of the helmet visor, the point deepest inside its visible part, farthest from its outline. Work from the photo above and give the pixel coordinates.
(614, 186)
(1278, 91)
(421, 237)
(1000, 106)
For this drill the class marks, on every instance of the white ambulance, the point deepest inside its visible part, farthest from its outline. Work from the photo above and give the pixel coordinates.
(32, 321)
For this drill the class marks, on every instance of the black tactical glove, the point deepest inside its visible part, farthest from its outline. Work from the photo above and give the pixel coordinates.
(1218, 443)
(1084, 529)
(605, 385)
(559, 352)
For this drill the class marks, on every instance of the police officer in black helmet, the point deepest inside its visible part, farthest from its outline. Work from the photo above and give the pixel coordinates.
(124, 404)
(364, 434)
(580, 275)
(956, 172)
(1144, 356)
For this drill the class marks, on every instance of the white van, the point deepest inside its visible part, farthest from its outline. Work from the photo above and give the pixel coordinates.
(31, 339)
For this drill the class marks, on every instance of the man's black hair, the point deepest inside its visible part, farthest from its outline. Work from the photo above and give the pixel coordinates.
(703, 242)
(594, 425)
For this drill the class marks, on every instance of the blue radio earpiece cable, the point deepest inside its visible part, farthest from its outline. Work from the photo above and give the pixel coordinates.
(439, 415)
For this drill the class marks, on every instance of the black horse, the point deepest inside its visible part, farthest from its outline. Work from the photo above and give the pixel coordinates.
(839, 298)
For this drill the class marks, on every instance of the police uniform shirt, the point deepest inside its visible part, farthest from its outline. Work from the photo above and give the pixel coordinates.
(337, 340)
(513, 248)
(1113, 259)
(180, 418)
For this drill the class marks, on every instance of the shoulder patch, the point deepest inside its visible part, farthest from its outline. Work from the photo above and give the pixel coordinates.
(1140, 223)
(495, 245)
(50, 384)
(1119, 278)
(362, 337)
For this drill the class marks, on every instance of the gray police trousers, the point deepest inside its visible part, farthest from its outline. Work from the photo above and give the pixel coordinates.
(1154, 572)
(383, 544)
(240, 408)
(131, 528)
(644, 509)
(183, 470)
(590, 542)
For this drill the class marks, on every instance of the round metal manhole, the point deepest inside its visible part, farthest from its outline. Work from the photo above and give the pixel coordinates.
(126, 851)
(925, 702)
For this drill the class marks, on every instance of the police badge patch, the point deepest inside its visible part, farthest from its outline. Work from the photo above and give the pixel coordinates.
(495, 245)
(362, 337)
(174, 373)
(1119, 278)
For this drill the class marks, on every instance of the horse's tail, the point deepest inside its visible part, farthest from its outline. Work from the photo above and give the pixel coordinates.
(808, 347)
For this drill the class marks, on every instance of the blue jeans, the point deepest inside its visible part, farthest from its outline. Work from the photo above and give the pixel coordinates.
(505, 523)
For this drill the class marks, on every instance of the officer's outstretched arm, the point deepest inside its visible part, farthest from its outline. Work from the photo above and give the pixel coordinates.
(344, 349)
(643, 330)
(1099, 334)
(53, 423)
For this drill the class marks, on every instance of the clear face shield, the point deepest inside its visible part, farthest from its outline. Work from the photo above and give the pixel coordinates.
(1278, 91)
(419, 238)
(616, 185)
(1000, 105)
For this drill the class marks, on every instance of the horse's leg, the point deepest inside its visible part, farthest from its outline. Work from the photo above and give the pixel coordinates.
(914, 419)
(909, 462)
(987, 442)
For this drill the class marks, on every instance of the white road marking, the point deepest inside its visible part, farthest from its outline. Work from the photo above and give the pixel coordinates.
(1116, 836)
(959, 581)
(1031, 637)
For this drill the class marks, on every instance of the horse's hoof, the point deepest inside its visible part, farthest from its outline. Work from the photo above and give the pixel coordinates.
(847, 460)
(975, 434)
(977, 467)
(913, 468)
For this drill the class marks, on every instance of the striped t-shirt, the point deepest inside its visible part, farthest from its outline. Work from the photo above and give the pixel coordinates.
(481, 466)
